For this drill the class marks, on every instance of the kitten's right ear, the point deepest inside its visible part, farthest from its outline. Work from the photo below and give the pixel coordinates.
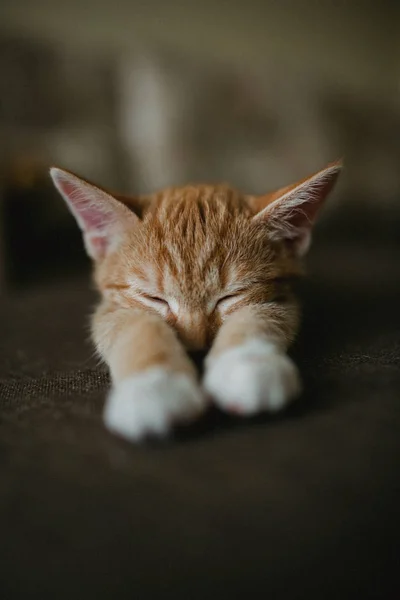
(290, 212)
(100, 216)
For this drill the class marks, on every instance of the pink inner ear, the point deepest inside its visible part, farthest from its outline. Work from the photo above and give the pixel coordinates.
(303, 215)
(100, 216)
(98, 244)
(291, 211)
(92, 216)
(94, 219)
(298, 208)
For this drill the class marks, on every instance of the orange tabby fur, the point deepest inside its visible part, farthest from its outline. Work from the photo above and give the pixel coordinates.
(195, 267)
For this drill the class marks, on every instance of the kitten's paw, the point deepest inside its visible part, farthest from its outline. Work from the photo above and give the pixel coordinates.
(150, 403)
(251, 378)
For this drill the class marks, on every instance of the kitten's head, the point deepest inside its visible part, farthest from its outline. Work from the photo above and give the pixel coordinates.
(195, 254)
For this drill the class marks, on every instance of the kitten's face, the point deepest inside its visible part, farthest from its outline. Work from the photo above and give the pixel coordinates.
(196, 256)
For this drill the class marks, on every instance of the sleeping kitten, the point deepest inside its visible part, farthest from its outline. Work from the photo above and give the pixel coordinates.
(195, 267)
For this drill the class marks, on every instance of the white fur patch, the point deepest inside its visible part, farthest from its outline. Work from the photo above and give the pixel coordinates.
(251, 378)
(151, 402)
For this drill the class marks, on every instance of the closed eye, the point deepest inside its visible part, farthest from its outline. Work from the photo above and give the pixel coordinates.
(155, 300)
(227, 301)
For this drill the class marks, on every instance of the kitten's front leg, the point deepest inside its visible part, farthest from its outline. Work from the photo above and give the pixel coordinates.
(154, 382)
(247, 370)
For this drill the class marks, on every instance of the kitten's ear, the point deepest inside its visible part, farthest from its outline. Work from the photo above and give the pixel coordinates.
(290, 212)
(100, 216)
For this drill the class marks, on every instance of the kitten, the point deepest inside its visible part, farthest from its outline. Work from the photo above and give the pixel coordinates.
(195, 267)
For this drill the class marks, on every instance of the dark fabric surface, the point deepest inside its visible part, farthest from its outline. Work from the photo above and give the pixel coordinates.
(305, 505)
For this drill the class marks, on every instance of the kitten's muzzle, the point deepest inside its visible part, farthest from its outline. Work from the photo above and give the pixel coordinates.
(194, 331)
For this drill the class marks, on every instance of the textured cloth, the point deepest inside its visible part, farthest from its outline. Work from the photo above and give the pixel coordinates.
(304, 505)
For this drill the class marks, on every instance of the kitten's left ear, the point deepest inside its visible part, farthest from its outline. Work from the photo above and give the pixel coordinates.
(102, 218)
(290, 212)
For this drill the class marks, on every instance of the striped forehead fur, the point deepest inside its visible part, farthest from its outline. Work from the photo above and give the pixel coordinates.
(197, 240)
(199, 223)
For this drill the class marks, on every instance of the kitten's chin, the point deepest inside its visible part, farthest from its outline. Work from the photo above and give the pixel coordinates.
(150, 403)
(252, 378)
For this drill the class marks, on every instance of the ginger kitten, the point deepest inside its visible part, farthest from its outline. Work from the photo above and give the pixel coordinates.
(195, 267)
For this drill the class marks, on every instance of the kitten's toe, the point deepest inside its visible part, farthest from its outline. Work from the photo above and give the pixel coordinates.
(150, 403)
(252, 378)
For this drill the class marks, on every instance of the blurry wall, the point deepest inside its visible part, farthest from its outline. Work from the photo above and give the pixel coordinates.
(356, 41)
(139, 95)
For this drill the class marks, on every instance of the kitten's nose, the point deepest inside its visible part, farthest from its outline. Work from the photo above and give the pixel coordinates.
(192, 330)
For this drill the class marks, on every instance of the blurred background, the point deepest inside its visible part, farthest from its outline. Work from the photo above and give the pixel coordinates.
(139, 95)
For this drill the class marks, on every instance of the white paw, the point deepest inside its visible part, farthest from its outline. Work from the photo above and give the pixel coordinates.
(151, 402)
(252, 378)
